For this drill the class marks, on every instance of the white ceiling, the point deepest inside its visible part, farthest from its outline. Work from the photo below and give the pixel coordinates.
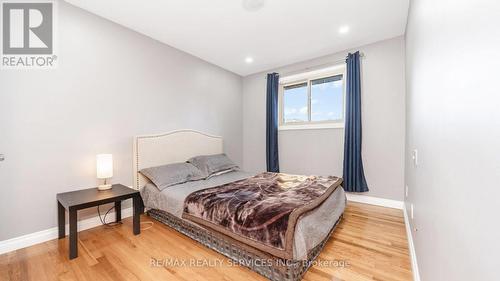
(280, 32)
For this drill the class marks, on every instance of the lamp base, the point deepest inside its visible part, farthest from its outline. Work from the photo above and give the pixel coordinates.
(104, 186)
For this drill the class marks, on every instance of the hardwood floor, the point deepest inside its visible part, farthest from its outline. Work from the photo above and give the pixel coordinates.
(370, 241)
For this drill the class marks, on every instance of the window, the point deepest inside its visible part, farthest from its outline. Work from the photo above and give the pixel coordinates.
(295, 98)
(312, 101)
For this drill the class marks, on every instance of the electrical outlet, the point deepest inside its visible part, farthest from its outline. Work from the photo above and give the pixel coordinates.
(414, 156)
(406, 191)
(411, 211)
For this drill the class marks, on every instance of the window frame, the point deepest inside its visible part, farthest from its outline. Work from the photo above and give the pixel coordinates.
(308, 77)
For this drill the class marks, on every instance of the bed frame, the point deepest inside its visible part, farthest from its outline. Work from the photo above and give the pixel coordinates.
(178, 146)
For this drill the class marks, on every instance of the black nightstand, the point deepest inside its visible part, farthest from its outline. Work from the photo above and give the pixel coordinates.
(86, 198)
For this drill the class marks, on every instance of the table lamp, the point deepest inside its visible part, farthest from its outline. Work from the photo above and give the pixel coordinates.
(104, 165)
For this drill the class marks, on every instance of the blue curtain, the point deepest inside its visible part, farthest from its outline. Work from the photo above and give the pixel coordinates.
(354, 176)
(272, 160)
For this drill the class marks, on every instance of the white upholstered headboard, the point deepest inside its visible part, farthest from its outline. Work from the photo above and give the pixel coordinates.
(172, 147)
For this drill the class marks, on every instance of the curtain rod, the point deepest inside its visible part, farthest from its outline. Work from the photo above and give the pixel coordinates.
(315, 67)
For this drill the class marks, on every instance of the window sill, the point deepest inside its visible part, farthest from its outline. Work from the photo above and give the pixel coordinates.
(311, 126)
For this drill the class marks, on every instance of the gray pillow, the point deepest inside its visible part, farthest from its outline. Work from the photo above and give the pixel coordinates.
(172, 174)
(210, 164)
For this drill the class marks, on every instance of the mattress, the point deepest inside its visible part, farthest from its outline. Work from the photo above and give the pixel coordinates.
(311, 228)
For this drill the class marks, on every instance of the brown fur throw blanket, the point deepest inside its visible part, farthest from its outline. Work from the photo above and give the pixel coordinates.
(260, 211)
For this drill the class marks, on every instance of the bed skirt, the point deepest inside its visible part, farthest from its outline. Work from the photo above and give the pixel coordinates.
(277, 270)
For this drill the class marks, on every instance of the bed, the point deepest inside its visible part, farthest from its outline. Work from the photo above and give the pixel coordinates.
(310, 232)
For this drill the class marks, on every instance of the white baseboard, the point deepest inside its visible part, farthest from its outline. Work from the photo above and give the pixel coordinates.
(411, 246)
(375, 201)
(52, 233)
(396, 205)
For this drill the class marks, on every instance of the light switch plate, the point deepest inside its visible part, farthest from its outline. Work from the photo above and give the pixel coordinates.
(406, 191)
(414, 156)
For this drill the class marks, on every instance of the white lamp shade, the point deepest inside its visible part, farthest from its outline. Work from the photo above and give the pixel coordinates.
(104, 164)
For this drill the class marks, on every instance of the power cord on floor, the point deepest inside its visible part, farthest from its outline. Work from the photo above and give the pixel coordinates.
(150, 223)
(103, 220)
(111, 224)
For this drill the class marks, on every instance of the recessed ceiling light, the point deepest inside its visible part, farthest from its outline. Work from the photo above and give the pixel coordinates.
(248, 59)
(344, 29)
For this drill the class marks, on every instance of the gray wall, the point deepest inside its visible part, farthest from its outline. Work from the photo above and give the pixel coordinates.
(111, 84)
(321, 151)
(453, 119)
